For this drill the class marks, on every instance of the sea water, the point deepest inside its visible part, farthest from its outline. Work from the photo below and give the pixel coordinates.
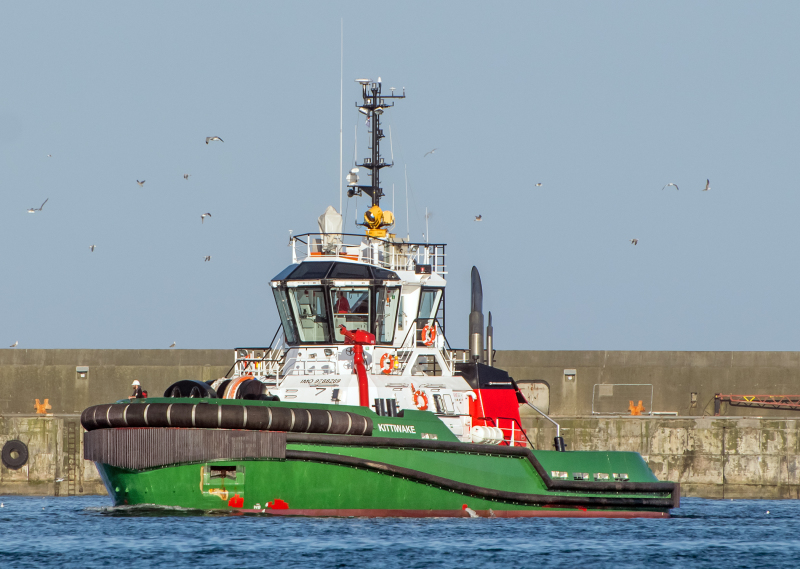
(86, 532)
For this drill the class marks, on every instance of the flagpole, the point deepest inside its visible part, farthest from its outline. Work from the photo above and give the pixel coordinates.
(341, 108)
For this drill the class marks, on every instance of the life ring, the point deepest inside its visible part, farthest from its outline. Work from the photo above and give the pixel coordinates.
(417, 395)
(388, 363)
(428, 335)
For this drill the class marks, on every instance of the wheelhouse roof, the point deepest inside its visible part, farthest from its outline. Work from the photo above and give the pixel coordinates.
(318, 270)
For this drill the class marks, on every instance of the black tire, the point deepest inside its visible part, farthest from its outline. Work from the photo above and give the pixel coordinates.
(15, 454)
(190, 388)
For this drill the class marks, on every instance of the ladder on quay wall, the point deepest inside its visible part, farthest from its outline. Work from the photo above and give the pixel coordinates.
(72, 450)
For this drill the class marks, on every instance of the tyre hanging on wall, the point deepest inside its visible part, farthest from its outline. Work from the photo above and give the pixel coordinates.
(15, 454)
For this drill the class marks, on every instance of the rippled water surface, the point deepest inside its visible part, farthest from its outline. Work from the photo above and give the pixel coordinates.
(85, 532)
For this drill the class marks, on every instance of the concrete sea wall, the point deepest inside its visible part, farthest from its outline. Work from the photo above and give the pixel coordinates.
(55, 465)
(745, 452)
(712, 457)
(682, 383)
(27, 375)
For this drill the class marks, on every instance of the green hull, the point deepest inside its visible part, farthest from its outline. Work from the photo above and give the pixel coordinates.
(318, 489)
(408, 466)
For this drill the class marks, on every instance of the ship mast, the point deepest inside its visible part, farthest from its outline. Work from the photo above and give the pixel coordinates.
(373, 106)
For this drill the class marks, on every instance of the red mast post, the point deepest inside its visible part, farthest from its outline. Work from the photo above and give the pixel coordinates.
(358, 339)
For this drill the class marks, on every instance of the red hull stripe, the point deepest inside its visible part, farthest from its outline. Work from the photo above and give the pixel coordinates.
(374, 513)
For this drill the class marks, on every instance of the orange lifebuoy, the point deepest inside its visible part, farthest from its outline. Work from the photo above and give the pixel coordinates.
(388, 363)
(417, 395)
(428, 335)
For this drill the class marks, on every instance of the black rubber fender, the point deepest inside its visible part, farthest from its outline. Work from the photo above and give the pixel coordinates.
(15, 454)
(205, 415)
(250, 388)
(191, 388)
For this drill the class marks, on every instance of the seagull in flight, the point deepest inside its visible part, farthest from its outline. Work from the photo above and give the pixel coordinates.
(671, 184)
(35, 209)
(204, 216)
(708, 185)
(431, 152)
(478, 218)
(49, 155)
(15, 344)
(210, 138)
(60, 480)
(92, 247)
(207, 258)
(186, 176)
(539, 185)
(172, 345)
(141, 184)
(634, 241)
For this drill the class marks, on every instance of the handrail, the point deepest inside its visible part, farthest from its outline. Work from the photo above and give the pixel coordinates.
(362, 236)
(520, 428)
(501, 428)
(546, 416)
(392, 255)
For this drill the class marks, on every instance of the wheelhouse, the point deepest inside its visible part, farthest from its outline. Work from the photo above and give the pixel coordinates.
(316, 298)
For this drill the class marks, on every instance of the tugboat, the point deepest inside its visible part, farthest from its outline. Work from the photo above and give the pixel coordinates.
(360, 407)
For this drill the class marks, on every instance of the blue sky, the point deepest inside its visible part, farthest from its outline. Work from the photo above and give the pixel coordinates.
(603, 103)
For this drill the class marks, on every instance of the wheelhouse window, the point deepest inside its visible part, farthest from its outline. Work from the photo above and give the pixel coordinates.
(308, 305)
(429, 305)
(283, 311)
(352, 308)
(388, 301)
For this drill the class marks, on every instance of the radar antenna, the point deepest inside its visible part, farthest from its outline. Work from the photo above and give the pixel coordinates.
(373, 107)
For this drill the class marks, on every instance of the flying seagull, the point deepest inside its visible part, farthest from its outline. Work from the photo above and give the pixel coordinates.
(708, 185)
(478, 218)
(204, 216)
(186, 176)
(35, 209)
(172, 345)
(49, 155)
(91, 248)
(539, 185)
(60, 480)
(15, 344)
(141, 184)
(671, 184)
(431, 152)
(209, 138)
(207, 258)
(635, 241)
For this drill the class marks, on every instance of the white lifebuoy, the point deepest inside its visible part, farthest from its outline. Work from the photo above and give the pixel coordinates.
(428, 335)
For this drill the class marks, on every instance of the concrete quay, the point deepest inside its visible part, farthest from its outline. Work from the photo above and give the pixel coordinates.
(743, 453)
(712, 457)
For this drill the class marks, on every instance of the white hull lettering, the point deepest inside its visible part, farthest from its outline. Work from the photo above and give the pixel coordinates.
(387, 427)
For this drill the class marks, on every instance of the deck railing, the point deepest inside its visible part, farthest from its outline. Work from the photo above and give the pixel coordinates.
(383, 253)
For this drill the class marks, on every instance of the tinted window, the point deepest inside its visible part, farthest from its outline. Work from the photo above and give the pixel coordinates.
(350, 271)
(285, 273)
(310, 271)
(384, 275)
